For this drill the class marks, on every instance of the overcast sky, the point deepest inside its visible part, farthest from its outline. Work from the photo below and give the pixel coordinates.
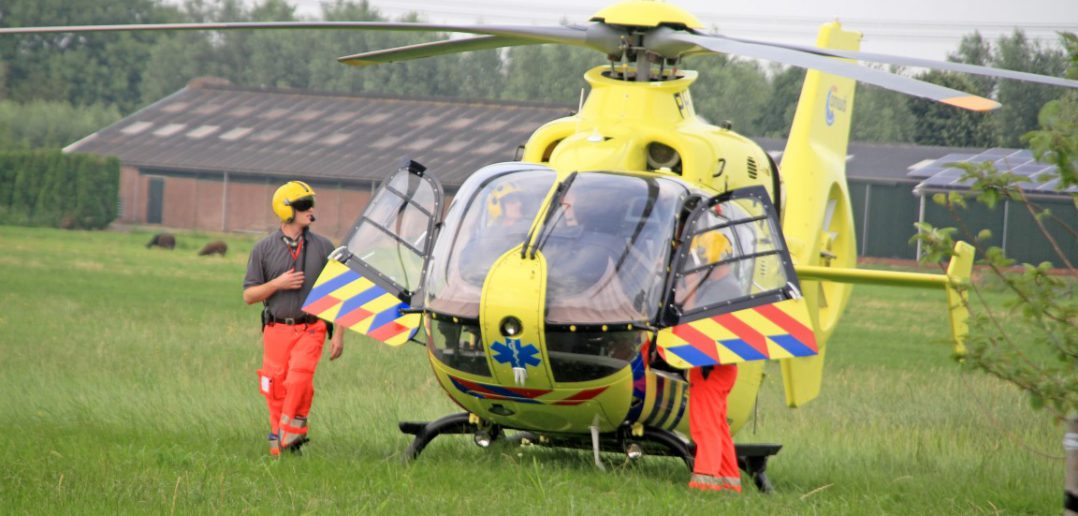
(921, 28)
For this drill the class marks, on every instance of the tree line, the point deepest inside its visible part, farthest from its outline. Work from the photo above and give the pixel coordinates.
(93, 79)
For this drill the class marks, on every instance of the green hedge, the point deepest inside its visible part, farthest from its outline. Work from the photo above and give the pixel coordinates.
(50, 188)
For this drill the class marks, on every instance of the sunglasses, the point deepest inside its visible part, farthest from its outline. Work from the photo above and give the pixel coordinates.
(302, 204)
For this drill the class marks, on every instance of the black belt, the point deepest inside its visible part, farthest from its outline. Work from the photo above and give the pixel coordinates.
(303, 319)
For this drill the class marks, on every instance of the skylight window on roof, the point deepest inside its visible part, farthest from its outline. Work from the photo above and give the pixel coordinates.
(236, 134)
(386, 142)
(169, 130)
(494, 126)
(203, 132)
(175, 107)
(208, 109)
(136, 127)
(340, 117)
(425, 121)
(336, 139)
(489, 148)
(459, 123)
(456, 146)
(307, 115)
(376, 118)
(266, 136)
(242, 111)
(275, 113)
(420, 144)
(302, 137)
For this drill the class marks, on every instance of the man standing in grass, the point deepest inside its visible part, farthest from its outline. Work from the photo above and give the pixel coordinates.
(280, 273)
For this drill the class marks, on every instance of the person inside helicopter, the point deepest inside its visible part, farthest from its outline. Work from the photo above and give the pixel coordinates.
(503, 226)
(710, 257)
(484, 222)
(607, 243)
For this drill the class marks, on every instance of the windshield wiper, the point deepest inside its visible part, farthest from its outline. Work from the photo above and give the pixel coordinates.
(554, 206)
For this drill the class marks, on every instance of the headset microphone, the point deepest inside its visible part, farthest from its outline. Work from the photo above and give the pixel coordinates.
(312, 218)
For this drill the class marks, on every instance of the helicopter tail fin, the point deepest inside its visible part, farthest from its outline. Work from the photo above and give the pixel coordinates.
(958, 273)
(817, 221)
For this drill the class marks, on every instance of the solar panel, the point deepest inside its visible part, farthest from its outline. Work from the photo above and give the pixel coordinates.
(939, 175)
(953, 157)
(996, 152)
(1009, 163)
(1023, 155)
(927, 171)
(952, 172)
(983, 158)
(1031, 169)
(1049, 186)
(938, 181)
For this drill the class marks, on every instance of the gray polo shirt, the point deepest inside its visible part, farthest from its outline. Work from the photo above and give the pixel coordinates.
(271, 258)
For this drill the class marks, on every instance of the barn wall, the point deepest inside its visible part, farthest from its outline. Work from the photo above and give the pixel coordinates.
(198, 201)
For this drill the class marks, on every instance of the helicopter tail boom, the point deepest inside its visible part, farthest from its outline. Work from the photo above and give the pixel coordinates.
(954, 282)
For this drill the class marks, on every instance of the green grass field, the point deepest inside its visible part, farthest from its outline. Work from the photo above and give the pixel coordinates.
(129, 386)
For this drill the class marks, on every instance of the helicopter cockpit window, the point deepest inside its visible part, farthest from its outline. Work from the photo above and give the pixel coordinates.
(491, 214)
(458, 346)
(607, 248)
(733, 253)
(393, 234)
(589, 355)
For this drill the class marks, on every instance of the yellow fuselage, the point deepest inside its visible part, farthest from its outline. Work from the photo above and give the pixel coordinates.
(611, 133)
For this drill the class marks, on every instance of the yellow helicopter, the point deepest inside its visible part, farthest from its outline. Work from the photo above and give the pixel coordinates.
(565, 295)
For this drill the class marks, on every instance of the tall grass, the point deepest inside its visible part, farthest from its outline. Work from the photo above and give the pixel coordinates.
(128, 385)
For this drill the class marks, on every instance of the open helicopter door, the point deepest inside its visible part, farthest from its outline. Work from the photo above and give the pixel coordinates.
(732, 292)
(368, 284)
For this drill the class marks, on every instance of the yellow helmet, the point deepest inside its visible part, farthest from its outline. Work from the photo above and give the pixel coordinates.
(500, 193)
(711, 247)
(288, 194)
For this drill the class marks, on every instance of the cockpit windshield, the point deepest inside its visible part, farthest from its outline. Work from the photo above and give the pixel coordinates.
(491, 213)
(607, 246)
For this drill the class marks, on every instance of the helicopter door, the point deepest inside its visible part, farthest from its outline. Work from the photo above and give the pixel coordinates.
(368, 284)
(733, 295)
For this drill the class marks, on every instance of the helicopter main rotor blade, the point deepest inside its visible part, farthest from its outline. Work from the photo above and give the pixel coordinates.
(436, 48)
(570, 35)
(830, 65)
(918, 62)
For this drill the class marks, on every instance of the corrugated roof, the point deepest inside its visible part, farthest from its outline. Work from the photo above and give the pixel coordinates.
(221, 128)
(878, 161)
(210, 126)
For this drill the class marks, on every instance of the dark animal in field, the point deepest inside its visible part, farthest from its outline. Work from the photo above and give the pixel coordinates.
(162, 240)
(215, 247)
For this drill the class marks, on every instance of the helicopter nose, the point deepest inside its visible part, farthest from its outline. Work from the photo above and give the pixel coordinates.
(511, 318)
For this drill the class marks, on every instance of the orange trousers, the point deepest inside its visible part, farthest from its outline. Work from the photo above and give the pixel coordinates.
(290, 355)
(715, 467)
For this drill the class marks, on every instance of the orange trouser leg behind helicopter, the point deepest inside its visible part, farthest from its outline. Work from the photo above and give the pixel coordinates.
(715, 467)
(289, 358)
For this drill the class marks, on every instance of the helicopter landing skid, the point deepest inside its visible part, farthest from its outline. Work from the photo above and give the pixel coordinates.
(452, 424)
(751, 458)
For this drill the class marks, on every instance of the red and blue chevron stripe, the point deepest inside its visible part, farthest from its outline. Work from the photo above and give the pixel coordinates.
(346, 298)
(768, 332)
